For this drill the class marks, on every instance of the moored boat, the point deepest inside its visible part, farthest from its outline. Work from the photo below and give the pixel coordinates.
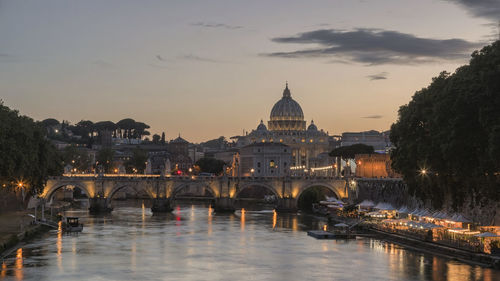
(72, 225)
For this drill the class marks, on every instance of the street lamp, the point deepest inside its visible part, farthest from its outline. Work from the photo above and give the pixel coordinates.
(21, 186)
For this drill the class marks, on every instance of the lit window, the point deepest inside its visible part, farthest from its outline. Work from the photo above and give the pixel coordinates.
(271, 164)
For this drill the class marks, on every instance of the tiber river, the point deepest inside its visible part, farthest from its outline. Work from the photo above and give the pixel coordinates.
(192, 243)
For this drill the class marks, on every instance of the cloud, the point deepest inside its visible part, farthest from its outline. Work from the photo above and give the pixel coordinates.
(216, 25)
(7, 58)
(489, 9)
(373, 116)
(193, 57)
(375, 46)
(378, 76)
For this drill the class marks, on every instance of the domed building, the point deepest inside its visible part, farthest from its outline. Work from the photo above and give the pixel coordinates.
(287, 126)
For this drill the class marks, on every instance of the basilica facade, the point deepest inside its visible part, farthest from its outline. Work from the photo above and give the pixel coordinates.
(309, 146)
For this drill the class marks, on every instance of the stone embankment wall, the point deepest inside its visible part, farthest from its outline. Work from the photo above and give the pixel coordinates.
(395, 192)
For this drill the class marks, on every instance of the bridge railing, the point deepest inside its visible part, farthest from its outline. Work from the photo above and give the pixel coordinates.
(191, 177)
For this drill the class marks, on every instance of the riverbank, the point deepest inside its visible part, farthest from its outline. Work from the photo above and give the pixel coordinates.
(473, 258)
(437, 249)
(17, 227)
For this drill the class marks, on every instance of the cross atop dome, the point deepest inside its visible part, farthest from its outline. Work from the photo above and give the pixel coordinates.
(286, 92)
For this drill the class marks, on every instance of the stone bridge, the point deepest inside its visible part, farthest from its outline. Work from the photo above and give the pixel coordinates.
(225, 190)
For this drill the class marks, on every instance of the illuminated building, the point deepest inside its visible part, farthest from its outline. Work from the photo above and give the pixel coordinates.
(287, 126)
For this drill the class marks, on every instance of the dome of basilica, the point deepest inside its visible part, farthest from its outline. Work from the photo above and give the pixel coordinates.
(312, 127)
(287, 108)
(261, 126)
(287, 114)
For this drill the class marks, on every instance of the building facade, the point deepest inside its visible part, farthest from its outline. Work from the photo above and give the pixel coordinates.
(265, 159)
(287, 126)
(374, 166)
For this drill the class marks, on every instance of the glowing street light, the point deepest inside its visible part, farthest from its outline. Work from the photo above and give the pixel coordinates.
(423, 172)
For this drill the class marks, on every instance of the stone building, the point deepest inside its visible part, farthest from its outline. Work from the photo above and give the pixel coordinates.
(379, 140)
(179, 151)
(265, 159)
(374, 166)
(287, 126)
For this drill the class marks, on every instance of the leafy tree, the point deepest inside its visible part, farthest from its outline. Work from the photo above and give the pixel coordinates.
(215, 143)
(50, 122)
(105, 159)
(162, 138)
(210, 165)
(349, 152)
(137, 161)
(447, 139)
(156, 139)
(125, 127)
(26, 155)
(77, 158)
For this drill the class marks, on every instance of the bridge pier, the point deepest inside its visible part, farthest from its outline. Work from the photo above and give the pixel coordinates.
(224, 205)
(286, 205)
(161, 205)
(98, 205)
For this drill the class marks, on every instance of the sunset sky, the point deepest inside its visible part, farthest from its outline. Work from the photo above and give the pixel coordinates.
(215, 68)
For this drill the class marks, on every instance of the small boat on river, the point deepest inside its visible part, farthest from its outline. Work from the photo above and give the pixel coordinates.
(72, 225)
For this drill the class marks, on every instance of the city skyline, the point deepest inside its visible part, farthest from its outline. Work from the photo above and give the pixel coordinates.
(195, 69)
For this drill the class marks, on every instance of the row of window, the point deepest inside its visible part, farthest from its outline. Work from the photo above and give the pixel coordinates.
(272, 164)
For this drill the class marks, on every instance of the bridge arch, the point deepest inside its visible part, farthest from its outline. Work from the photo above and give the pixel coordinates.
(182, 186)
(119, 187)
(256, 184)
(48, 193)
(319, 184)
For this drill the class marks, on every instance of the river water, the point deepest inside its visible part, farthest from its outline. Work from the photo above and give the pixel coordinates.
(193, 243)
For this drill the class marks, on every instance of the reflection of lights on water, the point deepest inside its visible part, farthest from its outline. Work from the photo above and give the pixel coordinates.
(59, 245)
(295, 224)
(209, 219)
(19, 264)
(275, 218)
(3, 273)
(178, 219)
(242, 219)
(143, 212)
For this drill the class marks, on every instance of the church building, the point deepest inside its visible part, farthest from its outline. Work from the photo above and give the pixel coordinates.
(309, 145)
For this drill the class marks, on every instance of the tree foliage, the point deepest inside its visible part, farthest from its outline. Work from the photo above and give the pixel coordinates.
(137, 161)
(26, 155)
(77, 158)
(210, 165)
(348, 152)
(451, 129)
(105, 159)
